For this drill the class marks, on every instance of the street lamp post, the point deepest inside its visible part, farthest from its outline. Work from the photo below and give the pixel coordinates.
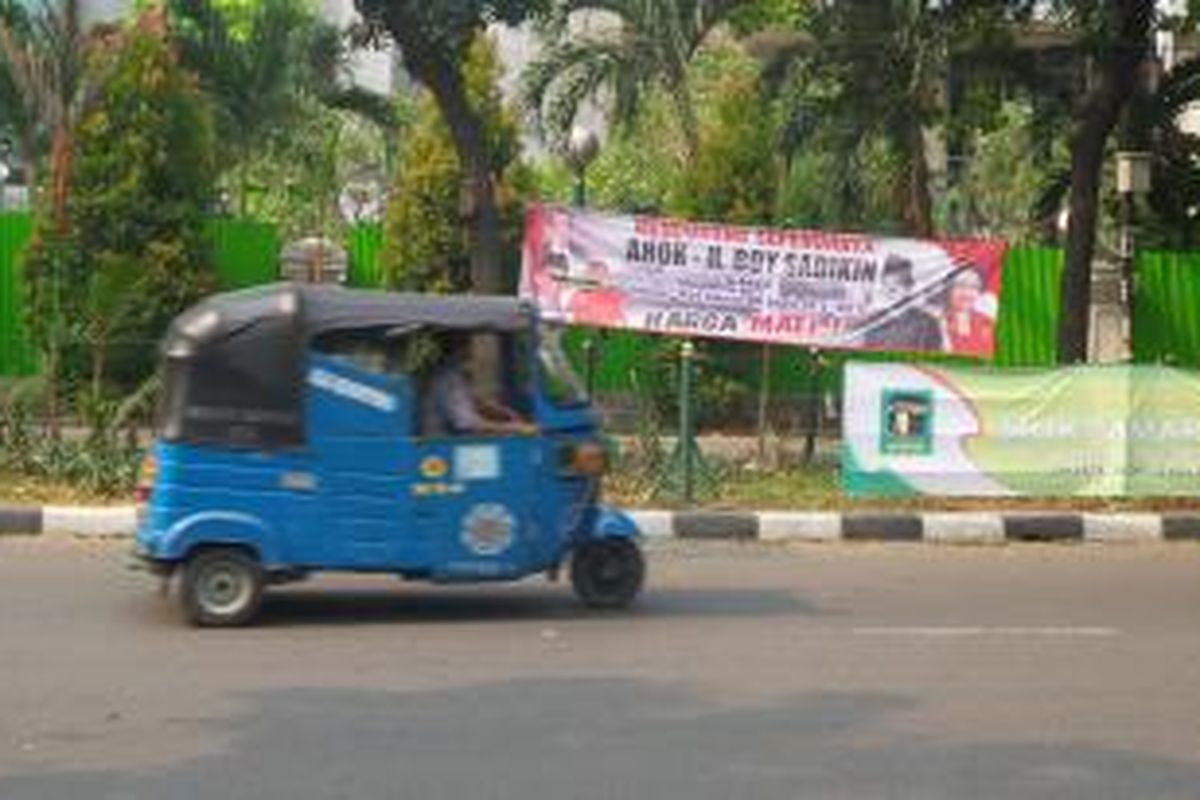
(1133, 181)
(582, 148)
(5, 171)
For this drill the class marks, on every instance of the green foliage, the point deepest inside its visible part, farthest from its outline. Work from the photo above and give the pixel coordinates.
(45, 84)
(732, 177)
(290, 131)
(449, 26)
(828, 185)
(871, 73)
(133, 253)
(637, 169)
(434, 40)
(425, 245)
(292, 180)
(14, 20)
(1174, 201)
(647, 48)
(1003, 181)
(252, 60)
(770, 15)
(105, 464)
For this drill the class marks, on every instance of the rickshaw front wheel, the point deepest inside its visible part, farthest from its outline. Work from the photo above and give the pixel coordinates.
(221, 587)
(607, 573)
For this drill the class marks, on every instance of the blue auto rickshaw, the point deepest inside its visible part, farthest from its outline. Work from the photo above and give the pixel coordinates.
(293, 438)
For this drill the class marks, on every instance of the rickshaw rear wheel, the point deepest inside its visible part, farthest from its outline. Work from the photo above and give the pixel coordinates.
(607, 573)
(221, 587)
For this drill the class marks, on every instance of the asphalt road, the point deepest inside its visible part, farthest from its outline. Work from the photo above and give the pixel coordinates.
(833, 671)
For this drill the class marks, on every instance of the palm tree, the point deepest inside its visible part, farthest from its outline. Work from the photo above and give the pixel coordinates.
(250, 64)
(52, 78)
(635, 46)
(262, 65)
(15, 125)
(44, 57)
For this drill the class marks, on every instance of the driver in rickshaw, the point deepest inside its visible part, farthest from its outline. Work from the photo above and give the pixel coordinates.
(457, 408)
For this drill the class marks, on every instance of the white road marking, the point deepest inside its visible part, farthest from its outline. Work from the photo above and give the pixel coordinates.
(939, 631)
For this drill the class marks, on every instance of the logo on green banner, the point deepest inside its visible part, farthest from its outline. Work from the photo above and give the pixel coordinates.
(907, 428)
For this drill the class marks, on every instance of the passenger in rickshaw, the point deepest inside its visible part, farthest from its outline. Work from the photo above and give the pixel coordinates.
(456, 408)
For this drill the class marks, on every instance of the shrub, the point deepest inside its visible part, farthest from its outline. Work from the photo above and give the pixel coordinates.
(133, 251)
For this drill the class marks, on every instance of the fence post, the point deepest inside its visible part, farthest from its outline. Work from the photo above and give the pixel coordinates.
(589, 365)
(686, 423)
(812, 406)
(764, 394)
(686, 465)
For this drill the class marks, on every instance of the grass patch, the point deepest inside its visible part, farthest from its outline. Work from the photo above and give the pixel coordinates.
(26, 490)
(818, 488)
(815, 488)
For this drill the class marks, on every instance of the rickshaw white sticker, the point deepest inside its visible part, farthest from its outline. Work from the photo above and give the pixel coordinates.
(352, 390)
(476, 462)
(488, 529)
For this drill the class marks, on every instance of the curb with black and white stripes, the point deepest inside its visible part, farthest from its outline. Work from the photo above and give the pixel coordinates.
(81, 520)
(951, 527)
(767, 526)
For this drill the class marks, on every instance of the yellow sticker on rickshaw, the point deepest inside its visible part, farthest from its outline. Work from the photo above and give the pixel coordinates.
(434, 467)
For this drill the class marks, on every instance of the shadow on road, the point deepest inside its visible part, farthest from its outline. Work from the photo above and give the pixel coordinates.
(304, 606)
(580, 739)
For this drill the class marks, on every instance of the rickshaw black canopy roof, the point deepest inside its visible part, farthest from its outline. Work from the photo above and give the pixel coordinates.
(235, 365)
(331, 308)
(325, 308)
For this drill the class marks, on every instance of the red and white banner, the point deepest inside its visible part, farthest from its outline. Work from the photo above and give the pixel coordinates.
(833, 290)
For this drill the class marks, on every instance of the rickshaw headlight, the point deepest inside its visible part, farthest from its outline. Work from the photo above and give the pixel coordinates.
(586, 458)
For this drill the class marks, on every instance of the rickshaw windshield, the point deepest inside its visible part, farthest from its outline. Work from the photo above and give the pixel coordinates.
(558, 378)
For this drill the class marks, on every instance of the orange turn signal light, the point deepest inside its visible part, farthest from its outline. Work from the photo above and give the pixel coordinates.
(146, 477)
(589, 458)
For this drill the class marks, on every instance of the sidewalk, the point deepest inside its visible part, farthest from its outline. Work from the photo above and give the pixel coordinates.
(954, 527)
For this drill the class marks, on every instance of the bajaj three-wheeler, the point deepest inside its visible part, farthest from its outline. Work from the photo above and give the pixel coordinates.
(295, 436)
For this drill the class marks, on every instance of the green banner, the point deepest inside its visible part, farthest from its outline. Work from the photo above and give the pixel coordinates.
(1107, 431)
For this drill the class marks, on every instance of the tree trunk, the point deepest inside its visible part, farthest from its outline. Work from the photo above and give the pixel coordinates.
(444, 81)
(688, 124)
(914, 196)
(441, 75)
(60, 177)
(1118, 65)
(29, 156)
(98, 364)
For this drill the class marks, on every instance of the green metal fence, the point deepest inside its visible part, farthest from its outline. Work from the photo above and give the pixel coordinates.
(1026, 332)
(1167, 312)
(17, 355)
(364, 244)
(246, 253)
